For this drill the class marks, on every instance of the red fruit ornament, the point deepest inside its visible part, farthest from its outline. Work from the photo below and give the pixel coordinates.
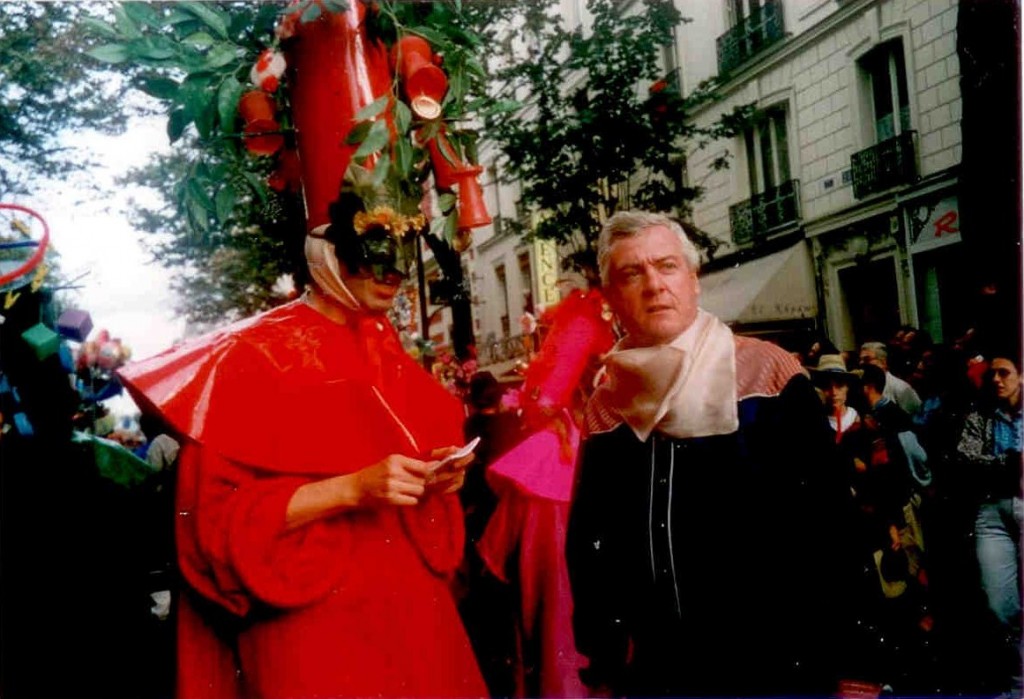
(267, 71)
(258, 112)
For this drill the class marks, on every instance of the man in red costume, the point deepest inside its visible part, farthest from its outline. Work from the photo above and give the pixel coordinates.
(316, 530)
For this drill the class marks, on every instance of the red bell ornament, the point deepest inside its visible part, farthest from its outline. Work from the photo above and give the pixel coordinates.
(425, 84)
(258, 112)
(472, 209)
(445, 161)
(288, 173)
(335, 69)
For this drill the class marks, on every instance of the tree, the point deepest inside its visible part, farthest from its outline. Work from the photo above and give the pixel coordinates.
(230, 271)
(48, 88)
(605, 128)
(217, 223)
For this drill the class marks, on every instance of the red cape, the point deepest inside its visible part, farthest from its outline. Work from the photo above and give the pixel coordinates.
(352, 605)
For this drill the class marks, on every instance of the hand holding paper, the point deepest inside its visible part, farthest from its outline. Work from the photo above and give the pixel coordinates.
(448, 473)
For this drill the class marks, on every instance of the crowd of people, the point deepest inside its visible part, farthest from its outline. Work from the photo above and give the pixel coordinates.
(930, 438)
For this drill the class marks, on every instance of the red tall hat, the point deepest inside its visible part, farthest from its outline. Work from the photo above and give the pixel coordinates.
(336, 69)
(580, 332)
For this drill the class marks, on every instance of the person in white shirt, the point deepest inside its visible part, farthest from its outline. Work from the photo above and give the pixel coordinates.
(896, 389)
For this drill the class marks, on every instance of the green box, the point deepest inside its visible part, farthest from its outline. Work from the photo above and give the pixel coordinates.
(42, 340)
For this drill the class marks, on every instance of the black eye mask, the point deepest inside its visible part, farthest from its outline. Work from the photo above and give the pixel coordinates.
(378, 252)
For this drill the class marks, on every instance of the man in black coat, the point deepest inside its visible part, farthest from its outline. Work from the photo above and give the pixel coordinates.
(709, 537)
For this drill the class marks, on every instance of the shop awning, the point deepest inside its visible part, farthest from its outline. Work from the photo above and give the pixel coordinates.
(776, 287)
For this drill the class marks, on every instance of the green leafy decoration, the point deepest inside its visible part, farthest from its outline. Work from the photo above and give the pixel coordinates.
(358, 133)
(125, 25)
(403, 117)
(381, 170)
(228, 228)
(224, 202)
(227, 102)
(199, 40)
(378, 137)
(176, 124)
(221, 55)
(374, 108)
(159, 86)
(110, 53)
(311, 12)
(446, 202)
(213, 19)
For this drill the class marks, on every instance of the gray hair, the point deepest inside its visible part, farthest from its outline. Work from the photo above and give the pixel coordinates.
(878, 348)
(627, 224)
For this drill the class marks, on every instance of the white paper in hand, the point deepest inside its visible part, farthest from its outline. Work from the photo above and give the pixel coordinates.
(447, 461)
(460, 454)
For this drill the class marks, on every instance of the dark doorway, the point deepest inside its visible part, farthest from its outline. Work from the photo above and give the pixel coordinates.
(872, 299)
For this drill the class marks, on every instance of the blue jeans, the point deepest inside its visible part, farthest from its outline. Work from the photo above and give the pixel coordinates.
(997, 530)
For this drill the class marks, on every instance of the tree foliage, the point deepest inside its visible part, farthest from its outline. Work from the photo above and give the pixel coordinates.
(230, 271)
(606, 127)
(48, 89)
(227, 236)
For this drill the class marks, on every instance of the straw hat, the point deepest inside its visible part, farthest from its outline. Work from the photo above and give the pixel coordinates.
(831, 366)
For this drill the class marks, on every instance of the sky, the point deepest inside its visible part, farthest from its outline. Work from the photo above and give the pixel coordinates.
(124, 290)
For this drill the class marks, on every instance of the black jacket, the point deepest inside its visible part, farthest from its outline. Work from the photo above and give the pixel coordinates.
(716, 565)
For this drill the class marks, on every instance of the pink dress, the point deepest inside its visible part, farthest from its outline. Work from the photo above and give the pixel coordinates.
(534, 484)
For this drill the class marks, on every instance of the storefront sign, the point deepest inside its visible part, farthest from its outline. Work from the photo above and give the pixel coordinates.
(934, 225)
(546, 256)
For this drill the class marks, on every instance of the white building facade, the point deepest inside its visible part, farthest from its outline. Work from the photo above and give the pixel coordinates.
(838, 213)
(840, 203)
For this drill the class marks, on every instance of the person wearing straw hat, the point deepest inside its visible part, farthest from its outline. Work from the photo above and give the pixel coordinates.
(833, 380)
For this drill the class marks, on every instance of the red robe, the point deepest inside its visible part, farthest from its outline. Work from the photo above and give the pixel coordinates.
(353, 605)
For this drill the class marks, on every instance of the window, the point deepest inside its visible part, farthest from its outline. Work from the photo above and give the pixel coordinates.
(492, 171)
(890, 101)
(526, 281)
(506, 326)
(734, 12)
(774, 201)
(749, 14)
(522, 212)
(767, 151)
(670, 61)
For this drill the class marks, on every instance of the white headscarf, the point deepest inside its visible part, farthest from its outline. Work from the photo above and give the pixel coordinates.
(323, 267)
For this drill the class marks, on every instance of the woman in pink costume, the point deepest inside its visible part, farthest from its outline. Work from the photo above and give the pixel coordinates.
(525, 538)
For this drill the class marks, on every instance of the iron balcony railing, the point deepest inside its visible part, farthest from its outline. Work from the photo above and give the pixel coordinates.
(884, 165)
(502, 350)
(765, 212)
(750, 36)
